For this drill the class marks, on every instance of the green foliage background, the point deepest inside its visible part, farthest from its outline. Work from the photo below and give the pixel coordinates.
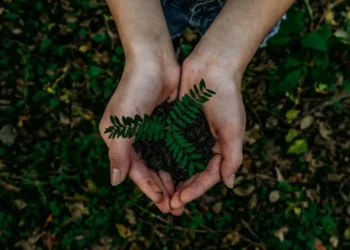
(59, 64)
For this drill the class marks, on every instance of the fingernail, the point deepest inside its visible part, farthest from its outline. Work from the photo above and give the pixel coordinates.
(115, 177)
(231, 181)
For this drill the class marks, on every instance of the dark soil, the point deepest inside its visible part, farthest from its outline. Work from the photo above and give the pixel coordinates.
(157, 156)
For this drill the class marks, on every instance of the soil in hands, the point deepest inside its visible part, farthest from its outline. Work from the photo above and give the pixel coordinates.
(157, 156)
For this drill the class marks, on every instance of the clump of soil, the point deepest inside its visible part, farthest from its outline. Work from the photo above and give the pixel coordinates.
(157, 156)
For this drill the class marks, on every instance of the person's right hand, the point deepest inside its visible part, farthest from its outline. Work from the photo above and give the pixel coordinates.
(147, 81)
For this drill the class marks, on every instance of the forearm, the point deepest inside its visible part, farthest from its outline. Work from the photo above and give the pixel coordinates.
(141, 26)
(241, 26)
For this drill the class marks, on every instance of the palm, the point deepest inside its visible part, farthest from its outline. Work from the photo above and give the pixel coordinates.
(226, 117)
(139, 92)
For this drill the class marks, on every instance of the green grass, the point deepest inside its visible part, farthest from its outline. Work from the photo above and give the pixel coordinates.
(59, 63)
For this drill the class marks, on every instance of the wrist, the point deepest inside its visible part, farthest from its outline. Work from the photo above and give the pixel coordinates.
(217, 62)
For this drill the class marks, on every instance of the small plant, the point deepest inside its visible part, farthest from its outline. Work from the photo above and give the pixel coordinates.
(153, 128)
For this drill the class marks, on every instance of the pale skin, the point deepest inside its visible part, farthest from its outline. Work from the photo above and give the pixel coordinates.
(152, 75)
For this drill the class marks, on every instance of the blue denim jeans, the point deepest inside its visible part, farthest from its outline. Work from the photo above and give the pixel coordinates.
(200, 14)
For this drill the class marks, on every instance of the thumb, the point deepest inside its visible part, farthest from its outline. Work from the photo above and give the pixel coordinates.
(232, 159)
(120, 160)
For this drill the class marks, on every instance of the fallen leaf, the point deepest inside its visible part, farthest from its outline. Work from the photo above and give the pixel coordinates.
(334, 241)
(292, 114)
(230, 239)
(281, 232)
(20, 204)
(217, 207)
(292, 133)
(319, 245)
(130, 216)
(9, 186)
(241, 191)
(85, 47)
(280, 177)
(324, 131)
(77, 210)
(347, 234)
(253, 202)
(298, 147)
(8, 134)
(274, 196)
(123, 231)
(190, 35)
(306, 122)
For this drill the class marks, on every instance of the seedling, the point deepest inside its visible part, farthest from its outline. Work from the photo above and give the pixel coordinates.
(153, 128)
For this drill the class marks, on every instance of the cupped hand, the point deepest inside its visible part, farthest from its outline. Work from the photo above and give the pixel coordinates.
(226, 118)
(144, 85)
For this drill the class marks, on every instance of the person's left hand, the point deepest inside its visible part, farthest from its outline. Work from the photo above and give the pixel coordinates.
(226, 117)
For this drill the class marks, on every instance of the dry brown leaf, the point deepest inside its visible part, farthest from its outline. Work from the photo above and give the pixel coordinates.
(334, 241)
(324, 131)
(230, 239)
(9, 186)
(8, 134)
(319, 245)
(217, 207)
(190, 35)
(281, 232)
(20, 204)
(123, 231)
(280, 177)
(130, 216)
(241, 191)
(274, 196)
(253, 202)
(306, 122)
(78, 209)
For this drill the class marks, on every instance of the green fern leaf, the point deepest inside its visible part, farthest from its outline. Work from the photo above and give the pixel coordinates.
(207, 94)
(190, 149)
(196, 89)
(191, 169)
(125, 122)
(137, 119)
(181, 123)
(192, 94)
(177, 110)
(181, 105)
(190, 114)
(185, 118)
(179, 156)
(199, 165)
(176, 150)
(202, 85)
(211, 91)
(172, 114)
(195, 156)
(116, 119)
(161, 134)
(184, 162)
(202, 99)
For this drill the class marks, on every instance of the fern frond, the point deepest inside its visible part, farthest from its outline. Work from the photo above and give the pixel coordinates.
(148, 128)
(152, 129)
(182, 151)
(125, 128)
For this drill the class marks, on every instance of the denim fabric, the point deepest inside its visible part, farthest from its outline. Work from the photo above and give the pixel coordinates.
(200, 14)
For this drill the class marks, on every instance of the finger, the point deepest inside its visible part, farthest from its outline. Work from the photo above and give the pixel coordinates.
(167, 181)
(189, 76)
(143, 178)
(175, 202)
(179, 211)
(232, 159)
(119, 156)
(203, 182)
(164, 205)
